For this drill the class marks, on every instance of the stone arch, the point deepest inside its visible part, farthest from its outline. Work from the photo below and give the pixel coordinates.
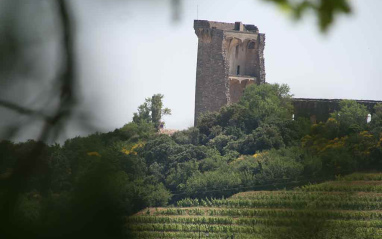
(251, 45)
(241, 55)
(234, 55)
(251, 57)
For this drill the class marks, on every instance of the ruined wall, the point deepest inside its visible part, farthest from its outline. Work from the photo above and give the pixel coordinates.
(243, 53)
(222, 47)
(211, 73)
(260, 49)
(319, 110)
(212, 24)
(252, 58)
(237, 87)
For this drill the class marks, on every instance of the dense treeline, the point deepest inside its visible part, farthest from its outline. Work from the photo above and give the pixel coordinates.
(94, 181)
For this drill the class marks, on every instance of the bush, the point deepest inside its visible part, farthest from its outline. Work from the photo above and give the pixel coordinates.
(277, 165)
(219, 142)
(351, 117)
(189, 136)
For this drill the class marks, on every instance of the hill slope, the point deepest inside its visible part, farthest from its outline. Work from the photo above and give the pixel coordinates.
(350, 207)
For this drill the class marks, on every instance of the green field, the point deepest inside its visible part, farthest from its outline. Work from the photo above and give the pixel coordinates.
(350, 207)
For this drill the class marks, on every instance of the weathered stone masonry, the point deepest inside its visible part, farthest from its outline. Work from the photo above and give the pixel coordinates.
(230, 57)
(319, 110)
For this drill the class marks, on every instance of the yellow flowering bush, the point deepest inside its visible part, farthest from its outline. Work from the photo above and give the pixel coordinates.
(94, 154)
(131, 149)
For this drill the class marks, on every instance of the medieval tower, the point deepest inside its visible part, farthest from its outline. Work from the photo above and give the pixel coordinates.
(230, 57)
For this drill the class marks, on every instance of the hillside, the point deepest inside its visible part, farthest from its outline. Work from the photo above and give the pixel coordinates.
(349, 207)
(254, 144)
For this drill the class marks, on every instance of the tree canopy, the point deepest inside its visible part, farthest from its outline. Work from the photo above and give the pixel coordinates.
(152, 111)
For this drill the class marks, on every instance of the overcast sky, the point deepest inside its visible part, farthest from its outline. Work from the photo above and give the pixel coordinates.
(130, 50)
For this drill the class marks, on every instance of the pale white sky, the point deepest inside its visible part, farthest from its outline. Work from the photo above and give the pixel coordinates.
(130, 50)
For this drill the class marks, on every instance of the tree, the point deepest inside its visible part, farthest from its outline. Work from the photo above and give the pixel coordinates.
(376, 121)
(266, 103)
(351, 117)
(156, 110)
(137, 131)
(267, 137)
(152, 111)
(206, 122)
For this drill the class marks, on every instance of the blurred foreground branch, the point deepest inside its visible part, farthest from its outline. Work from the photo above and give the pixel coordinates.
(23, 110)
(16, 182)
(326, 11)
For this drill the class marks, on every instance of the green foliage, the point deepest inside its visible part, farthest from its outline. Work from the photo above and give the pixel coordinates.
(156, 109)
(266, 104)
(206, 121)
(28, 210)
(144, 112)
(60, 169)
(213, 183)
(232, 115)
(267, 137)
(351, 117)
(279, 165)
(148, 194)
(8, 156)
(376, 121)
(163, 150)
(189, 136)
(325, 10)
(137, 131)
(263, 138)
(220, 142)
(342, 143)
(292, 131)
(178, 175)
(158, 149)
(151, 111)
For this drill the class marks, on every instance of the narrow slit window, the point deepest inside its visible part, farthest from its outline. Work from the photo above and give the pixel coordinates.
(251, 45)
(238, 70)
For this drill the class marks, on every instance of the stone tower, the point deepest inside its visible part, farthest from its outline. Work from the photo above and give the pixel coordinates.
(230, 57)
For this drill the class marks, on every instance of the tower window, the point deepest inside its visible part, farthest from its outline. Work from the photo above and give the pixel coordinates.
(251, 45)
(238, 70)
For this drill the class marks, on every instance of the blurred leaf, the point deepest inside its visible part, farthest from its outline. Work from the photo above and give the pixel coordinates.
(326, 11)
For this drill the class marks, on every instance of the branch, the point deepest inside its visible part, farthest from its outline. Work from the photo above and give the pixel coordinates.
(22, 110)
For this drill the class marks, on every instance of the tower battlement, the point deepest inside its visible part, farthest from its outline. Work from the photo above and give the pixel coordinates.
(237, 26)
